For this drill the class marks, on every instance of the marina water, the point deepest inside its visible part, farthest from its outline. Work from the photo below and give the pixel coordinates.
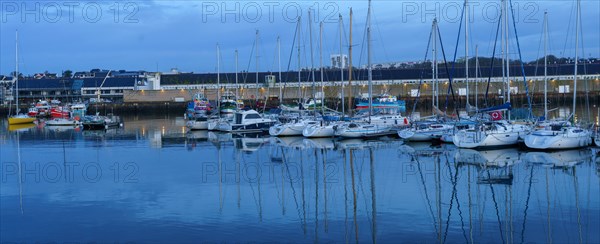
(152, 181)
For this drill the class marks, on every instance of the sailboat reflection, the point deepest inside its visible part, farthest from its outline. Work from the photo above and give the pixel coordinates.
(21, 127)
(200, 135)
(319, 143)
(422, 149)
(250, 144)
(245, 142)
(357, 190)
(568, 162)
(217, 137)
(495, 166)
(289, 142)
(361, 144)
(20, 166)
(559, 159)
(313, 171)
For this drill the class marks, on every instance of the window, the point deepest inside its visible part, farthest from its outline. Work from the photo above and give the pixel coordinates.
(253, 116)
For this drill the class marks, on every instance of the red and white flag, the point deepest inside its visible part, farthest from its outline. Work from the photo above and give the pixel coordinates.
(496, 115)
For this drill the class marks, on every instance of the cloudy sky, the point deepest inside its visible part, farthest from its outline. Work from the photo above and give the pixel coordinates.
(160, 35)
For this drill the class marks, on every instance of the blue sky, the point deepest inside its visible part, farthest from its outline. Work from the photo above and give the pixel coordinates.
(151, 35)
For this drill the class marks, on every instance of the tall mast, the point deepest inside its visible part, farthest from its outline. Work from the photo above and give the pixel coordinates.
(312, 60)
(369, 68)
(342, 67)
(299, 66)
(434, 63)
(279, 64)
(576, 57)
(506, 43)
(545, 65)
(218, 77)
(256, 92)
(236, 75)
(17, 71)
(321, 67)
(476, 74)
(467, 47)
(350, 67)
(504, 81)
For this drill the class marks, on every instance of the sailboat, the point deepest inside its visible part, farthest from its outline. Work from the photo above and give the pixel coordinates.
(323, 128)
(563, 135)
(62, 122)
(298, 124)
(559, 136)
(320, 129)
(490, 134)
(431, 129)
(426, 131)
(198, 123)
(18, 118)
(215, 123)
(496, 131)
(294, 128)
(373, 126)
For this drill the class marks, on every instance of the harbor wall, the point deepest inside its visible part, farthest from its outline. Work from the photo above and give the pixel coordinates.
(175, 101)
(403, 91)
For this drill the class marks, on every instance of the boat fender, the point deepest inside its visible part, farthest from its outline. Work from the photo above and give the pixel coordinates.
(405, 121)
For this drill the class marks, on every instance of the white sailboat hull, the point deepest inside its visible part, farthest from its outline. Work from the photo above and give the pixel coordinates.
(571, 138)
(503, 134)
(62, 122)
(213, 124)
(412, 135)
(197, 125)
(289, 129)
(286, 130)
(353, 130)
(224, 127)
(474, 139)
(316, 131)
(427, 134)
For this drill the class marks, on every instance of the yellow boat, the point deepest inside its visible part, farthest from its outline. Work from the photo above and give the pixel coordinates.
(20, 119)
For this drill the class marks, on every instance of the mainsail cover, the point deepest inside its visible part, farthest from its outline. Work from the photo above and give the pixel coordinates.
(503, 107)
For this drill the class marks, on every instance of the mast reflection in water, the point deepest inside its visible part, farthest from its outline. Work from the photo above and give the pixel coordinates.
(152, 181)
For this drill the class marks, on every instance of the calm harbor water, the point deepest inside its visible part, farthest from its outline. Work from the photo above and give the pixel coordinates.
(151, 181)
